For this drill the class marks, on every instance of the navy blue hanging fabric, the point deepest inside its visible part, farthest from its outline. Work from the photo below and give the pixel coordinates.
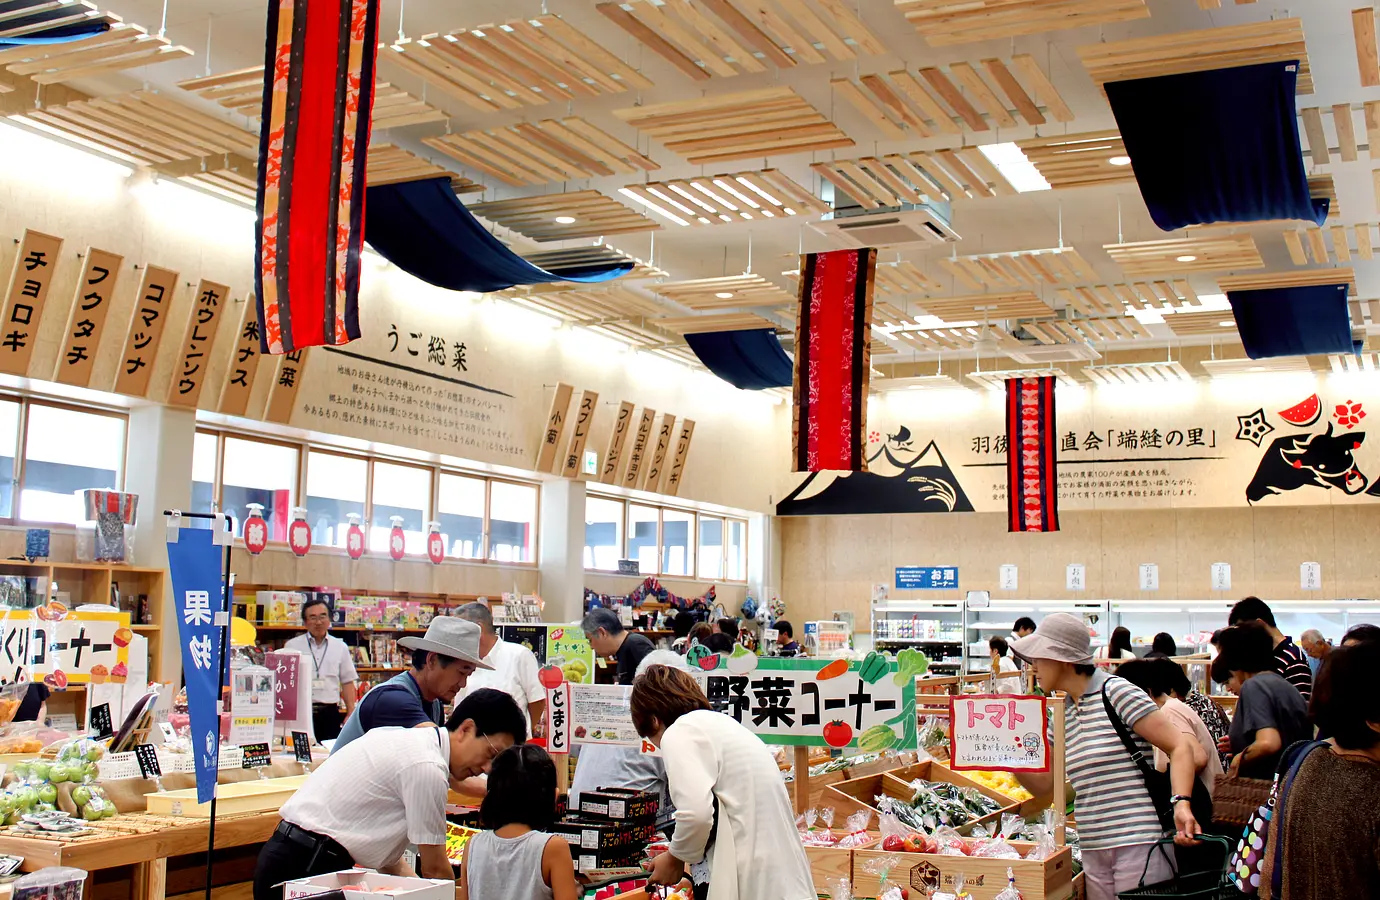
(1293, 321)
(64, 34)
(751, 360)
(423, 229)
(1237, 156)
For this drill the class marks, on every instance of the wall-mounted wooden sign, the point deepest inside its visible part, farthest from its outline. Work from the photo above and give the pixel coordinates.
(34, 268)
(189, 374)
(282, 397)
(555, 427)
(677, 467)
(86, 322)
(584, 420)
(151, 309)
(639, 449)
(656, 468)
(617, 438)
(244, 364)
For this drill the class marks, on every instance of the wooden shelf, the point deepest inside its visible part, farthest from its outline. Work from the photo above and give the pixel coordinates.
(246, 590)
(387, 629)
(145, 628)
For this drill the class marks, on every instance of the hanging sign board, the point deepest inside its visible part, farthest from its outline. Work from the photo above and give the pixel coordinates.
(998, 732)
(85, 645)
(1149, 577)
(926, 578)
(1221, 576)
(1076, 577)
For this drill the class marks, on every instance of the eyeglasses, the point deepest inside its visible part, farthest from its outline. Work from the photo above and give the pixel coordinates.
(493, 748)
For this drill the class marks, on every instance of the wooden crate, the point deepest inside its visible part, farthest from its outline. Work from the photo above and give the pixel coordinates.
(242, 797)
(896, 784)
(1050, 879)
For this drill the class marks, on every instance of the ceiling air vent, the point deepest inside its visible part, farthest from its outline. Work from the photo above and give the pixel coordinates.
(893, 229)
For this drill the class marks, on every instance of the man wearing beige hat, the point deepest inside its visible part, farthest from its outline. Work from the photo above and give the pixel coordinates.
(442, 663)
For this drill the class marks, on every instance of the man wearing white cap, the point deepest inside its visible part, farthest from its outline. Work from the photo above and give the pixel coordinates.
(442, 663)
(1118, 821)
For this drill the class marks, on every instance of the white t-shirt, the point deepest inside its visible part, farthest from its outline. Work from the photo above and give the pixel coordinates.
(1011, 685)
(328, 667)
(379, 793)
(514, 673)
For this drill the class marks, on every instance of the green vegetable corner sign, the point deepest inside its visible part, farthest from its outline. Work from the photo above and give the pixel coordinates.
(866, 704)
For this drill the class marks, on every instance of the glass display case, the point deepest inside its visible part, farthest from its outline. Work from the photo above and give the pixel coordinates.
(934, 626)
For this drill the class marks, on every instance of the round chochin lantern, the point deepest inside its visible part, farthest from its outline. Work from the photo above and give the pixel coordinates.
(255, 530)
(354, 537)
(299, 532)
(435, 544)
(397, 541)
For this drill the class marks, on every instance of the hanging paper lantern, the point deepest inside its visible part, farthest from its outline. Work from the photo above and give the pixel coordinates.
(397, 541)
(354, 537)
(299, 532)
(435, 544)
(255, 530)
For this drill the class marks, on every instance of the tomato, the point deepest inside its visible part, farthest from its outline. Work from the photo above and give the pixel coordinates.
(894, 843)
(551, 676)
(838, 734)
(914, 844)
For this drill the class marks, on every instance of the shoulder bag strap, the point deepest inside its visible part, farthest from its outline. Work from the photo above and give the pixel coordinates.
(1148, 772)
(1290, 761)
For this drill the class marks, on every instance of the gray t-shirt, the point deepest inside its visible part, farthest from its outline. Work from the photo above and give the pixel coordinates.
(604, 765)
(1268, 701)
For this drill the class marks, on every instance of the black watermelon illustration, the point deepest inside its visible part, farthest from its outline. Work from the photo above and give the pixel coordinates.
(906, 483)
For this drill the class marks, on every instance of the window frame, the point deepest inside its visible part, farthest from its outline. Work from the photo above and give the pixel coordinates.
(307, 450)
(488, 520)
(428, 513)
(26, 402)
(696, 517)
(488, 500)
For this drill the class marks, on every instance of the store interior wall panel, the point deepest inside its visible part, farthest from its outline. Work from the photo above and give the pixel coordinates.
(1123, 550)
(1078, 540)
(1355, 551)
(1206, 536)
(1288, 536)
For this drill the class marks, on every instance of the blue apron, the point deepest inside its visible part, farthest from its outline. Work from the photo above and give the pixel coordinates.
(403, 681)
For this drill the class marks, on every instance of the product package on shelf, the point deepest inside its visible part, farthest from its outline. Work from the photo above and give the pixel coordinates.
(281, 607)
(619, 804)
(587, 834)
(107, 534)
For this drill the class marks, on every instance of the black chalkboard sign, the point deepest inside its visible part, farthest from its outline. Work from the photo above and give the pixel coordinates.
(148, 760)
(100, 724)
(301, 747)
(256, 756)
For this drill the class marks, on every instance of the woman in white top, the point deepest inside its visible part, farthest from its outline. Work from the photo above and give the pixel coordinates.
(1006, 675)
(710, 757)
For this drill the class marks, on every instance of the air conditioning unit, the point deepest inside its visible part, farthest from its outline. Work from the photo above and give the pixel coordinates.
(1045, 354)
(905, 226)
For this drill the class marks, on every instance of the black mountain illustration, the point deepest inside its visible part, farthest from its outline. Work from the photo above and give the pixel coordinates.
(923, 483)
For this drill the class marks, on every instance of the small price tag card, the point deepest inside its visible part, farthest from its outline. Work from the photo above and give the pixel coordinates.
(100, 724)
(256, 756)
(147, 755)
(301, 747)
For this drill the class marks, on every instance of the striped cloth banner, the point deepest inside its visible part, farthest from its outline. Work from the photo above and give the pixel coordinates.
(832, 360)
(317, 111)
(1032, 489)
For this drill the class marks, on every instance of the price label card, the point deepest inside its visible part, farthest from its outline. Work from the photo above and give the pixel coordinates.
(147, 756)
(301, 747)
(998, 732)
(167, 731)
(256, 756)
(1008, 577)
(1221, 576)
(1310, 576)
(1149, 577)
(1076, 577)
(100, 724)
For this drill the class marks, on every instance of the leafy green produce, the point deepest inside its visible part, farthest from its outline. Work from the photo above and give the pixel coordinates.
(910, 663)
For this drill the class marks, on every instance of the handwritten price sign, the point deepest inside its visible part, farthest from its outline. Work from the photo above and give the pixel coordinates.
(998, 732)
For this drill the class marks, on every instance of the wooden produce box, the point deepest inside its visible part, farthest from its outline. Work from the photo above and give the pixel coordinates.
(1050, 879)
(832, 863)
(896, 784)
(264, 795)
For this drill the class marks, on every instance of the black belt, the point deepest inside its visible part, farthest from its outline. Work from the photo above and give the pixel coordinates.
(317, 843)
(316, 705)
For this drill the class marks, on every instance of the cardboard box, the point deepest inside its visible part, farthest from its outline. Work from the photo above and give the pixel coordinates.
(590, 835)
(397, 886)
(599, 860)
(618, 804)
(1049, 879)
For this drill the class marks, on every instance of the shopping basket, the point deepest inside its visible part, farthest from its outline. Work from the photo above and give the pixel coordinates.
(1209, 885)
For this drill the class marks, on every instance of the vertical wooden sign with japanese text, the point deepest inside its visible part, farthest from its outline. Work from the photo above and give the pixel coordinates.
(34, 268)
(244, 364)
(677, 467)
(86, 324)
(617, 438)
(189, 374)
(282, 396)
(655, 468)
(636, 458)
(151, 307)
(584, 420)
(555, 427)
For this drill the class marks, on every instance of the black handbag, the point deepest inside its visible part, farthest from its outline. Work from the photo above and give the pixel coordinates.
(1157, 782)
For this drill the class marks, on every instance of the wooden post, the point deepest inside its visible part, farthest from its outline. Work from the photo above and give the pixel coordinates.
(562, 761)
(1060, 802)
(802, 779)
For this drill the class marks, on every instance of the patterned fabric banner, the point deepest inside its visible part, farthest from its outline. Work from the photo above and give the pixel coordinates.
(317, 110)
(1032, 490)
(832, 360)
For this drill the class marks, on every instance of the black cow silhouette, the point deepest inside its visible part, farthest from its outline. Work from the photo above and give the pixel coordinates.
(1309, 460)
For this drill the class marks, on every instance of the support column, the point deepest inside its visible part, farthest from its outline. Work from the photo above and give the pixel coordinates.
(561, 559)
(764, 557)
(159, 470)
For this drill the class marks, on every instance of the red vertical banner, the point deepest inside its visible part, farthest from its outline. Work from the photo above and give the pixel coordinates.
(1032, 471)
(317, 109)
(833, 360)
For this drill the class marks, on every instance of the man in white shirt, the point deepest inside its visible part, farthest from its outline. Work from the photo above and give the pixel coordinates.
(514, 669)
(386, 789)
(333, 673)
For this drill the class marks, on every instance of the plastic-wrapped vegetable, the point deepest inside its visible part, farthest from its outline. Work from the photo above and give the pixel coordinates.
(997, 846)
(1009, 892)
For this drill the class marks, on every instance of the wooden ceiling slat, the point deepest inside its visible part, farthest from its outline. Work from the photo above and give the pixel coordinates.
(929, 107)
(683, 325)
(1317, 140)
(594, 215)
(1211, 254)
(1367, 56)
(1317, 246)
(1014, 91)
(893, 104)
(1345, 126)
(945, 23)
(1363, 243)
(952, 96)
(869, 106)
(969, 78)
(1307, 278)
(897, 185)
(1341, 248)
(1294, 244)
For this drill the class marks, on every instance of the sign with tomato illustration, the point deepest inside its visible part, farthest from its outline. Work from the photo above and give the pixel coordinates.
(998, 733)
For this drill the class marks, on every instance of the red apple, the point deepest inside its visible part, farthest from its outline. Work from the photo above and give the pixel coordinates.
(551, 677)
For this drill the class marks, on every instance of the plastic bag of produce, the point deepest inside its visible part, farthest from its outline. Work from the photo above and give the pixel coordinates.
(882, 867)
(840, 889)
(76, 761)
(950, 843)
(856, 827)
(1009, 892)
(997, 846)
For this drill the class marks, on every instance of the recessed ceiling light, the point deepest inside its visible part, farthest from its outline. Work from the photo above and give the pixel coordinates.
(1186, 258)
(724, 295)
(1230, 323)
(565, 220)
(1120, 161)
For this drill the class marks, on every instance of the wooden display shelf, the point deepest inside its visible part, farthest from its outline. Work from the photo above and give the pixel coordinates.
(380, 669)
(245, 589)
(390, 629)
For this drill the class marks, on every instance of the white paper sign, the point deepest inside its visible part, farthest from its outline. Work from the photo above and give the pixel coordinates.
(1006, 577)
(251, 706)
(1310, 576)
(998, 732)
(558, 718)
(979, 600)
(602, 714)
(1149, 577)
(1077, 577)
(1221, 576)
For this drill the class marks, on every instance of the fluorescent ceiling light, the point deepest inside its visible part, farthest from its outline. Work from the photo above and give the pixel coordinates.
(565, 220)
(653, 207)
(724, 295)
(1015, 167)
(1119, 161)
(1187, 257)
(1230, 323)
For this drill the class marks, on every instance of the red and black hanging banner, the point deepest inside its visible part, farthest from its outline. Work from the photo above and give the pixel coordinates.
(833, 359)
(317, 110)
(1032, 488)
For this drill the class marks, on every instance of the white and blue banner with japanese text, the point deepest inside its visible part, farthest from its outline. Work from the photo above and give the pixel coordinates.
(194, 562)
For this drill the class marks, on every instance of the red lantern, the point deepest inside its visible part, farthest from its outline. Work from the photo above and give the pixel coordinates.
(255, 530)
(354, 538)
(299, 533)
(397, 541)
(435, 544)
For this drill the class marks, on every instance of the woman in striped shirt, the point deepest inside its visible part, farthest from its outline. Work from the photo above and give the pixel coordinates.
(1118, 823)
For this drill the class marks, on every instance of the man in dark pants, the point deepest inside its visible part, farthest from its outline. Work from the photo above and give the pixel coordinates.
(333, 673)
(387, 789)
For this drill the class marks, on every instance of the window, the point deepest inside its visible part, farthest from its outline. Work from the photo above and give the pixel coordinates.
(603, 533)
(644, 541)
(263, 473)
(512, 521)
(403, 491)
(205, 449)
(336, 487)
(67, 450)
(9, 444)
(711, 547)
(735, 551)
(677, 542)
(460, 507)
